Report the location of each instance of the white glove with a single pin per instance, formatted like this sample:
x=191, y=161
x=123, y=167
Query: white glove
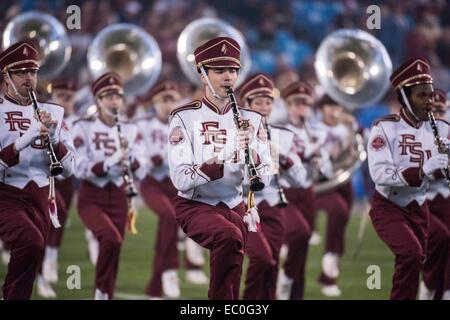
x=54, y=138
x=251, y=220
x=27, y=138
x=232, y=146
x=112, y=160
x=436, y=162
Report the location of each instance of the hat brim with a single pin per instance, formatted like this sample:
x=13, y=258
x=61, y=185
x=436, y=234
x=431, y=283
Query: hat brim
x=30, y=65
x=218, y=64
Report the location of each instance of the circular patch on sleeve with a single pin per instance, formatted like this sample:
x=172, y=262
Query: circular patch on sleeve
x=378, y=143
x=78, y=142
x=176, y=135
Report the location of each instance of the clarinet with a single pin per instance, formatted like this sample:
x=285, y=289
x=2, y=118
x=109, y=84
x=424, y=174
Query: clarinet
x=255, y=180
x=127, y=175
x=282, y=201
x=55, y=166
x=437, y=140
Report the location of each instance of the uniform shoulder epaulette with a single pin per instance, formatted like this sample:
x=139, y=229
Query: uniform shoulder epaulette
x=448, y=123
x=196, y=104
x=391, y=117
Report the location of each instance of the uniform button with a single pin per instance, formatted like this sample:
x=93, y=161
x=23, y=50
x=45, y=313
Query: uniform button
x=394, y=193
x=8, y=175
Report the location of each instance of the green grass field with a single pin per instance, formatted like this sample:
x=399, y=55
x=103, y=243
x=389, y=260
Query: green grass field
x=138, y=252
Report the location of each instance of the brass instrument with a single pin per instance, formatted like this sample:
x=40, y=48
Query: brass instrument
x=129, y=51
x=353, y=67
x=282, y=201
x=49, y=37
x=55, y=166
x=437, y=140
x=255, y=180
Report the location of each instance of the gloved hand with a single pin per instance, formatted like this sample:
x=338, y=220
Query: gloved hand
x=46, y=119
x=54, y=138
x=251, y=220
x=444, y=142
x=27, y=138
x=241, y=139
x=112, y=160
x=436, y=162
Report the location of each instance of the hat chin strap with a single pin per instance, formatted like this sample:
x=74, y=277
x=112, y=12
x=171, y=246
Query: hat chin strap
x=215, y=95
x=406, y=101
x=16, y=92
x=104, y=109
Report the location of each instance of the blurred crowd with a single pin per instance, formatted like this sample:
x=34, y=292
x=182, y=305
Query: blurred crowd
x=281, y=34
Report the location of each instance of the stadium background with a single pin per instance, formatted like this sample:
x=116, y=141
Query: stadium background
x=282, y=35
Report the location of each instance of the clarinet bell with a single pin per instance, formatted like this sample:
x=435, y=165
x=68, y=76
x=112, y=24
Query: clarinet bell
x=256, y=184
x=131, y=193
x=56, y=169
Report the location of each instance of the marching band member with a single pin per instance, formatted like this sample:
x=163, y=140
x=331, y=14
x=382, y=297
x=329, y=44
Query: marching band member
x=158, y=191
x=300, y=212
x=336, y=203
x=26, y=205
x=263, y=247
x=63, y=93
x=206, y=166
x=105, y=156
x=436, y=271
x=403, y=159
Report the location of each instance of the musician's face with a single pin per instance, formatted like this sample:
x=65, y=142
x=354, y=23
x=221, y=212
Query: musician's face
x=112, y=101
x=164, y=106
x=298, y=108
x=421, y=100
x=262, y=104
x=65, y=98
x=331, y=113
x=220, y=79
x=23, y=79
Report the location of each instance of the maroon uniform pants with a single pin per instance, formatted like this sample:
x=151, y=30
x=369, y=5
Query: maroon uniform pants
x=24, y=225
x=436, y=271
x=158, y=196
x=104, y=212
x=298, y=229
x=405, y=231
x=222, y=231
x=64, y=193
x=263, y=248
x=337, y=204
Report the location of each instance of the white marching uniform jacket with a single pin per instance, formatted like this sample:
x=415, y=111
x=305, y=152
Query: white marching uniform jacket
x=197, y=132
x=155, y=134
x=397, y=150
x=33, y=161
x=291, y=170
x=307, y=147
x=438, y=186
x=95, y=141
